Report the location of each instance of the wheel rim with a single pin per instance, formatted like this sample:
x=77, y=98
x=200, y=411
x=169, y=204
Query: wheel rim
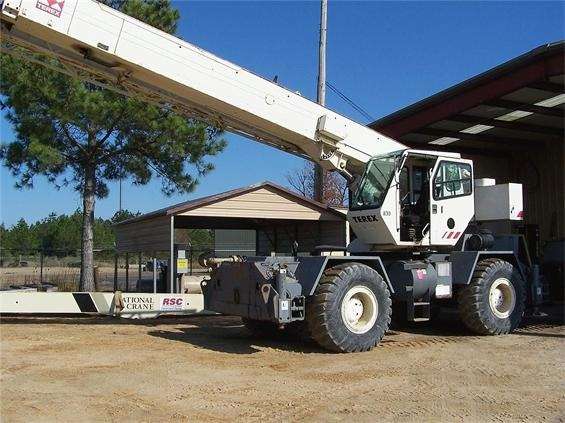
x=359, y=309
x=502, y=298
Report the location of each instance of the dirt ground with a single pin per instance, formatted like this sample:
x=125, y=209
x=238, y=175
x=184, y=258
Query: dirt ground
x=211, y=369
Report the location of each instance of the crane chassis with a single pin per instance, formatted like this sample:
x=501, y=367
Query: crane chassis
x=415, y=213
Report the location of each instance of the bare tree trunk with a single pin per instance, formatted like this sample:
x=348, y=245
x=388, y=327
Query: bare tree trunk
x=87, y=252
x=319, y=182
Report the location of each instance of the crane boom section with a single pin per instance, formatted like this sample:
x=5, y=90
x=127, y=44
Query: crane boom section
x=100, y=44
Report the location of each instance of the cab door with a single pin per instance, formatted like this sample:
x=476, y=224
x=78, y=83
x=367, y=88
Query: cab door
x=452, y=204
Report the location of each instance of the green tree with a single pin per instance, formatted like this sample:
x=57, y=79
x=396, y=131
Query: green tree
x=58, y=235
x=3, y=252
x=201, y=238
x=61, y=235
x=21, y=238
x=75, y=133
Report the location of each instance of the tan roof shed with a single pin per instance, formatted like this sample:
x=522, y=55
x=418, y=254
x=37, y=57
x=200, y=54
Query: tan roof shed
x=279, y=216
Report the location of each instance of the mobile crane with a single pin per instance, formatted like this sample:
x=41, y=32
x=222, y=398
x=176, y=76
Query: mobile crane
x=414, y=212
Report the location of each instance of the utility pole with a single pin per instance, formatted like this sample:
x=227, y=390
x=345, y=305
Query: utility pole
x=321, y=98
x=322, y=54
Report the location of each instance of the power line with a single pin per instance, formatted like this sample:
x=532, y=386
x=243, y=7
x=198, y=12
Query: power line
x=349, y=101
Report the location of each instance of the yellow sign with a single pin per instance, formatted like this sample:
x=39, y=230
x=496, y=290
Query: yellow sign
x=182, y=265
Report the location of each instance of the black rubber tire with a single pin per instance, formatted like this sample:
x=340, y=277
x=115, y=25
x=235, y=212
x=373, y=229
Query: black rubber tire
x=473, y=300
x=260, y=328
x=323, y=310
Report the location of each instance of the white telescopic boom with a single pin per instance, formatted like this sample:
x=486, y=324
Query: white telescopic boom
x=97, y=43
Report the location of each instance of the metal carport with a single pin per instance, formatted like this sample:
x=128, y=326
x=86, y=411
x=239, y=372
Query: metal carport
x=278, y=215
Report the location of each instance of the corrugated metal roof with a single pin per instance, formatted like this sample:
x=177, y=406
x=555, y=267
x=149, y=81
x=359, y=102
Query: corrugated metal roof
x=536, y=54
x=204, y=201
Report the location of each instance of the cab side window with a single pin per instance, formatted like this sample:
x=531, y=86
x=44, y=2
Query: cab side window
x=452, y=180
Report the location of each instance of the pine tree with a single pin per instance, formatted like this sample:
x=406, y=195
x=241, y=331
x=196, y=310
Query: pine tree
x=75, y=133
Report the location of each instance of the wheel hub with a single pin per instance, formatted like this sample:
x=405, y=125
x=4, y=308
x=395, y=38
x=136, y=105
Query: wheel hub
x=354, y=310
x=359, y=309
x=502, y=298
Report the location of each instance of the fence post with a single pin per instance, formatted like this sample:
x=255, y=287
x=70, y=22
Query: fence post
x=96, y=278
x=190, y=255
x=115, y=271
x=154, y=275
x=40, y=270
x=138, y=271
x=127, y=272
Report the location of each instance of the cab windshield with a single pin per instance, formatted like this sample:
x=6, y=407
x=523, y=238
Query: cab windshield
x=373, y=187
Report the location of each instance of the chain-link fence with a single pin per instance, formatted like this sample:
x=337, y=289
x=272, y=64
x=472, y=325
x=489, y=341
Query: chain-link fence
x=113, y=271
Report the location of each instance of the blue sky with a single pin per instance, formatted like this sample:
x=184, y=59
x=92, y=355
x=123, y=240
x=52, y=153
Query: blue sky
x=384, y=55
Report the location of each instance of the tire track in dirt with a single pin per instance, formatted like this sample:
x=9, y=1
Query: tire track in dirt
x=445, y=340
x=210, y=369
x=486, y=374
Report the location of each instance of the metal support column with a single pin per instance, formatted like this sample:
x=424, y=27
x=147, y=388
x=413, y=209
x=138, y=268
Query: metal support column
x=40, y=268
x=115, y=271
x=172, y=276
x=139, y=268
x=154, y=275
x=190, y=255
x=127, y=272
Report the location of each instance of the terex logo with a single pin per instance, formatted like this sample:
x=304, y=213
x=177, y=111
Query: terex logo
x=53, y=7
x=368, y=218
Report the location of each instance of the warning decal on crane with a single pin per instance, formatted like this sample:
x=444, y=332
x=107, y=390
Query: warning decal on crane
x=54, y=7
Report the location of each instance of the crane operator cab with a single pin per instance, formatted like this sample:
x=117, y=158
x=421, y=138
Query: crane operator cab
x=413, y=198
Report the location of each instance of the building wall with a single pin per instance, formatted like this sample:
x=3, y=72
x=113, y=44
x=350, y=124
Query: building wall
x=491, y=167
x=542, y=174
x=147, y=235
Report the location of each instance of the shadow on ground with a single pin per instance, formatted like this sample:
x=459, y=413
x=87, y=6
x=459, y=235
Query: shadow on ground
x=227, y=334
x=96, y=320
x=229, y=337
